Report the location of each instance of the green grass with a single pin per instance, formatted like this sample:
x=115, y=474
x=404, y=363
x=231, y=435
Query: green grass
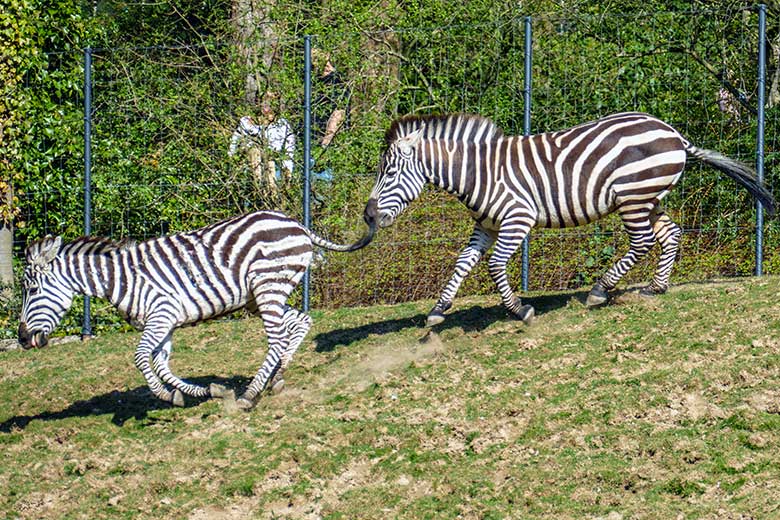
x=660, y=408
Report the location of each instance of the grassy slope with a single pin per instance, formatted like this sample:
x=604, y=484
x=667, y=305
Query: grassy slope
x=664, y=408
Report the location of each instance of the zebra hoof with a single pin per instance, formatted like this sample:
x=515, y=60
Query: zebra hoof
x=244, y=404
x=277, y=387
x=434, y=319
x=526, y=314
x=597, y=296
x=217, y=390
x=436, y=315
x=178, y=398
x=650, y=291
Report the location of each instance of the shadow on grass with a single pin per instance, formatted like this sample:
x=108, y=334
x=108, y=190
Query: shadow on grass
x=471, y=319
x=138, y=402
x=130, y=404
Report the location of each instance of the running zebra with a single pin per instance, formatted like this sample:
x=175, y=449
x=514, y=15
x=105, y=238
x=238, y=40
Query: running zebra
x=624, y=162
x=253, y=261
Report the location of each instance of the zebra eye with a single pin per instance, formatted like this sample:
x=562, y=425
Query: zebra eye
x=32, y=286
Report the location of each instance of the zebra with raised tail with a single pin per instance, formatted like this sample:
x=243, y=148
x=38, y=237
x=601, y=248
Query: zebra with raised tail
x=625, y=163
x=254, y=261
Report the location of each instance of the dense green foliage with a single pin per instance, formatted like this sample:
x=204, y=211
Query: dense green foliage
x=169, y=85
x=42, y=84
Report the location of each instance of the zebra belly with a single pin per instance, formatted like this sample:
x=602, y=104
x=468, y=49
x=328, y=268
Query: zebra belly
x=206, y=302
x=580, y=218
x=203, y=295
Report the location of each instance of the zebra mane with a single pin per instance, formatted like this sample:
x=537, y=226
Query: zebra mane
x=447, y=126
x=89, y=245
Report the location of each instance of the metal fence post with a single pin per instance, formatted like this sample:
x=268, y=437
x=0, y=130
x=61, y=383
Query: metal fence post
x=306, y=156
x=760, y=135
x=86, y=324
x=527, y=131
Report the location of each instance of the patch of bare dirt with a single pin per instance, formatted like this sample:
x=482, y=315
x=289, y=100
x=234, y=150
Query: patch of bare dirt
x=634, y=298
x=242, y=508
x=8, y=344
x=42, y=505
x=682, y=407
x=766, y=401
x=12, y=344
x=288, y=506
x=379, y=363
x=373, y=366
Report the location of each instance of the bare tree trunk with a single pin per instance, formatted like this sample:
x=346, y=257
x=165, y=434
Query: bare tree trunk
x=257, y=42
x=381, y=74
x=6, y=252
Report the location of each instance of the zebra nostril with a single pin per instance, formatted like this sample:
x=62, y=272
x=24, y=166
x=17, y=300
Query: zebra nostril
x=385, y=219
x=369, y=215
x=23, y=334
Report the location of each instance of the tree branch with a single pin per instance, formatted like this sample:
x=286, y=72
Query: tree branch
x=720, y=75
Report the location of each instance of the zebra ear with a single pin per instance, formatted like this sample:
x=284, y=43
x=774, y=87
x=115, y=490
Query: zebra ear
x=410, y=141
x=45, y=251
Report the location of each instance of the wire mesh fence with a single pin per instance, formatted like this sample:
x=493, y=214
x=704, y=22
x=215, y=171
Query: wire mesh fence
x=165, y=156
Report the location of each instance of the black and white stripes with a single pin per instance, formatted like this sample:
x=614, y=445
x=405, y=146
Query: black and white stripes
x=255, y=260
x=624, y=163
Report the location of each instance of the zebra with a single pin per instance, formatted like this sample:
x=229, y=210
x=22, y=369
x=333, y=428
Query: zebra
x=625, y=163
x=158, y=285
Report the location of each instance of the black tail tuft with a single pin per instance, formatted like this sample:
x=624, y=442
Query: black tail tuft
x=366, y=239
x=740, y=172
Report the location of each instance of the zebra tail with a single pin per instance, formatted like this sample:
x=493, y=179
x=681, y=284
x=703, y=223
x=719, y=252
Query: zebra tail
x=740, y=172
x=360, y=244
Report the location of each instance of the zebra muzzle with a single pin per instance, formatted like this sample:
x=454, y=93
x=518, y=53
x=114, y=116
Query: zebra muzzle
x=28, y=339
x=372, y=215
x=369, y=214
x=386, y=220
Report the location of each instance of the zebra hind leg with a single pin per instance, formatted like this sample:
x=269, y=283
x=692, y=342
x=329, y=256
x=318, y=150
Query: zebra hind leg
x=668, y=235
x=266, y=373
x=641, y=240
x=271, y=364
x=270, y=299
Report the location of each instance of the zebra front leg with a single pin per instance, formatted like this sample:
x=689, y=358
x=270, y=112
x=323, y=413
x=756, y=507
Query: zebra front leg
x=641, y=240
x=512, y=234
x=160, y=358
x=153, y=336
x=667, y=233
x=479, y=242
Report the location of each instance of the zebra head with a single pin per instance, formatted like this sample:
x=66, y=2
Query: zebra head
x=400, y=179
x=46, y=295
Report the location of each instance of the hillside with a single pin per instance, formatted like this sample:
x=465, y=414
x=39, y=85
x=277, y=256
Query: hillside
x=662, y=408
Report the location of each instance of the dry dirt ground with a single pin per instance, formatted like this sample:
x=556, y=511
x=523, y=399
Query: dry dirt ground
x=659, y=408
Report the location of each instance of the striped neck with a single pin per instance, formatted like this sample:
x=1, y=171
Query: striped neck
x=451, y=148
x=87, y=264
x=451, y=167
